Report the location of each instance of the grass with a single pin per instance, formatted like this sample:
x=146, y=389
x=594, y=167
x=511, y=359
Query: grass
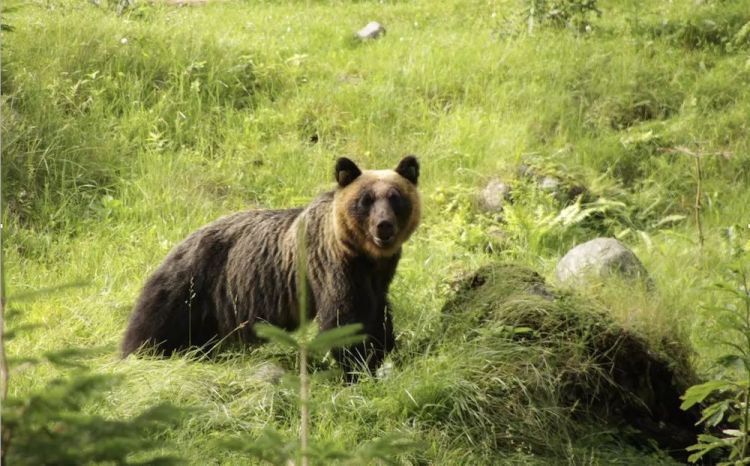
x=123, y=134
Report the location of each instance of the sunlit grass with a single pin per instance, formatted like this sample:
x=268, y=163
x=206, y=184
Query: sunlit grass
x=121, y=135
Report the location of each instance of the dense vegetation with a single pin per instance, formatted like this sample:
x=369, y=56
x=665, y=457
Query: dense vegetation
x=123, y=133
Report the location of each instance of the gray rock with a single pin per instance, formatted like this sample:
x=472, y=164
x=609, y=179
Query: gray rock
x=564, y=188
x=550, y=184
x=525, y=171
x=373, y=30
x=494, y=195
x=599, y=258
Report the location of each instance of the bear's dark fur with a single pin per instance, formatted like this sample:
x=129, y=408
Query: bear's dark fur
x=241, y=269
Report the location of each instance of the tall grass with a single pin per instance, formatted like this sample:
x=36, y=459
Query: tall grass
x=123, y=134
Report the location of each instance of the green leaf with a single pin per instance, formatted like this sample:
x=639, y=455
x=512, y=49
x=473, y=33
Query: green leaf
x=697, y=393
x=669, y=219
x=623, y=233
x=703, y=438
x=728, y=288
x=522, y=330
x=646, y=239
x=729, y=360
x=337, y=337
x=705, y=445
x=276, y=335
x=697, y=456
x=713, y=414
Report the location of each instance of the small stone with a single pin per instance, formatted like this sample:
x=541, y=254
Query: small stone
x=385, y=370
x=497, y=234
x=525, y=171
x=497, y=239
x=373, y=30
x=550, y=184
x=599, y=258
x=494, y=195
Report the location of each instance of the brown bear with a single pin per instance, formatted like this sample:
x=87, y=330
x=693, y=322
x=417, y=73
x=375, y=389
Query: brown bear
x=241, y=269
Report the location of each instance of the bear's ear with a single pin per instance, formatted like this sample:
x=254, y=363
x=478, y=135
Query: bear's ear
x=346, y=171
x=409, y=168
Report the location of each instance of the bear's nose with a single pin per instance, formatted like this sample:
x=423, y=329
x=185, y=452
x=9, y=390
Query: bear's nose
x=385, y=229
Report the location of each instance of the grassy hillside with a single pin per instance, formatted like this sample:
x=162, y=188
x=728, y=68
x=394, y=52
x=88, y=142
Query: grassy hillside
x=122, y=134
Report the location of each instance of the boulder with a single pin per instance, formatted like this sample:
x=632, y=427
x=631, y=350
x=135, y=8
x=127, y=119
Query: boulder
x=494, y=196
x=599, y=258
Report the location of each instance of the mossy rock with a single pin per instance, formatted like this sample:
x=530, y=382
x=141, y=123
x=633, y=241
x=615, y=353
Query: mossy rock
x=569, y=357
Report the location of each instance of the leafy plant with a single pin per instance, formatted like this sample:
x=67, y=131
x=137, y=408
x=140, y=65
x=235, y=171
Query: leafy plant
x=561, y=13
x=724, y=28
x=54, y=426
x=464, y=223
x=728, y=414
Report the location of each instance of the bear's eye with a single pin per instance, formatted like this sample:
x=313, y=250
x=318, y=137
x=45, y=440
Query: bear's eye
x=395, y=198
x=366, y=200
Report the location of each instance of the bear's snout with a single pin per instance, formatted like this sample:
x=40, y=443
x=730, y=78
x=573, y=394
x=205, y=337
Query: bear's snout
x=383, y=225
x=383, y=233
x=385, y=230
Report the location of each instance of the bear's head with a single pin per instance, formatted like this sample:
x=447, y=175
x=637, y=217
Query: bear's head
x=375, y=211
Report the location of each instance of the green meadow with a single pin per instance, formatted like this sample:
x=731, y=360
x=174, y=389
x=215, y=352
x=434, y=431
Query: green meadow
x=121, y=134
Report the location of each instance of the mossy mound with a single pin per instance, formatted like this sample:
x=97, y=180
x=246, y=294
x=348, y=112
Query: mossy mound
x=567, y=361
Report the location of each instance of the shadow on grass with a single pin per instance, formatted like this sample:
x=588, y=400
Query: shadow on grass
x=34, y=294
x=59, y=424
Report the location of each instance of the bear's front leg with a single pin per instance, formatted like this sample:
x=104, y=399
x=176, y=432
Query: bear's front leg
x=377, y=325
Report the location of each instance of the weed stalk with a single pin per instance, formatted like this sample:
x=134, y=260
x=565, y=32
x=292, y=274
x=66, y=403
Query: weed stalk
x=746, y=411
x=532, y=12
x=304, y=386
x=3, y=361
x=698, y=195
